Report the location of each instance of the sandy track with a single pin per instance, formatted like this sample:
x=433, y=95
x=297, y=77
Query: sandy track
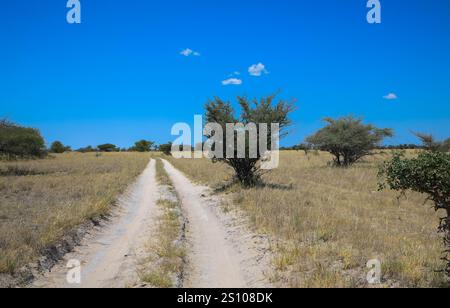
x=221, y=253
x=109, y=255
x=215, y=261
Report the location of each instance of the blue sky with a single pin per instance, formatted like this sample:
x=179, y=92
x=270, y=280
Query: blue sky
x=119, y=76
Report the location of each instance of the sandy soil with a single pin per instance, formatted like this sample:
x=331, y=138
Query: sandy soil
x=223, y=253
x=109, y=254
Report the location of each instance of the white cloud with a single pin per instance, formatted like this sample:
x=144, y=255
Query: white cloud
x=257, y=70
x=391, y=96
x=232, y=81
x=189, y=52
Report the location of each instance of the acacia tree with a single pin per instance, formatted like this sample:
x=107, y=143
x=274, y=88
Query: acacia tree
x=58, y=147
x=429, y=173
x=431, y=144
x=142, y=146
x=264, y=111
x=108, y=147
x=348, y=139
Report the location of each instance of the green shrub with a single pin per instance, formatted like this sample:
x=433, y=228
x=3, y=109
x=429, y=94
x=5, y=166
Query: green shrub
x=166, y=148
x=20, y=142
x=429, y=174
x=58, y=148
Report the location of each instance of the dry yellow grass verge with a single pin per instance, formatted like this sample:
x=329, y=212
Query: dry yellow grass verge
x=164, y=266
x=332, y=221
x=41, y=200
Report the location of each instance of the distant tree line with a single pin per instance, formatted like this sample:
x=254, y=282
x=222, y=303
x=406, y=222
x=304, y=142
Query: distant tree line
x=410, y=146
x=139, y=146
x=18, y=142
x=348, y=139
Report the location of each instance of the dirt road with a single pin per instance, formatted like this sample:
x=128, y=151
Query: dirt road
x=220, y=254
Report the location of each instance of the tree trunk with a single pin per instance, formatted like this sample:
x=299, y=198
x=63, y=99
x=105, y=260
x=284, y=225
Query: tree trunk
x=338, y=159
x=445, y=228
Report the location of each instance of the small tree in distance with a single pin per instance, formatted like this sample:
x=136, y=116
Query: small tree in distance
x=87, y=149
x=58, y=148
x=303, y=147
x=248, y=169
x=142, y=146
x=108, y=147
x=166, y=148
x=348, y=139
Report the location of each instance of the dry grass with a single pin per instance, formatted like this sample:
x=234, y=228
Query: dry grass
x=164, y=266
x=41, y=200
x=334, y=220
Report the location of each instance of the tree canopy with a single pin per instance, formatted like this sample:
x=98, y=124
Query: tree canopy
x=264, y=111
x=348, y=139
x=143, y=146
x=108, y=147
x=20, y=142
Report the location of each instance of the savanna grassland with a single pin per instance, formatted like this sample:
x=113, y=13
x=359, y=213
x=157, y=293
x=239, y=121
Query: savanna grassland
x=330, y=222
x=41, y=200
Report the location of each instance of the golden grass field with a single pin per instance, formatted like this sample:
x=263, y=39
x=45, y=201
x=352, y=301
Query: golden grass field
x=332, y=221
x=41, y=200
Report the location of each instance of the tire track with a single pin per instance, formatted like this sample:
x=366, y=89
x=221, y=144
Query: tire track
x=214, y=260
